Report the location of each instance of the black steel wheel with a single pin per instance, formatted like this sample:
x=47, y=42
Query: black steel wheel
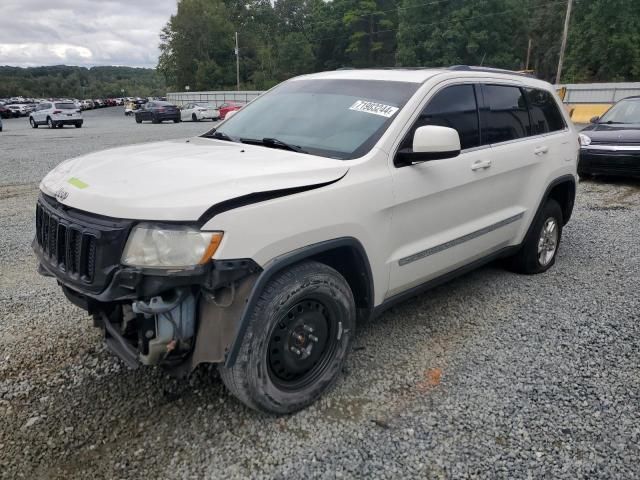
x=297, y=340
x=302, y=344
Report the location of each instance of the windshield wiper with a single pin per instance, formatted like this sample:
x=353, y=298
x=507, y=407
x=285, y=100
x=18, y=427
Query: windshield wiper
x=218, y=135
x=609, y=122
x=273, y=143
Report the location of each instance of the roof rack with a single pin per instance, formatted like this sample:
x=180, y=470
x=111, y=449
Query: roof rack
x=470, y=68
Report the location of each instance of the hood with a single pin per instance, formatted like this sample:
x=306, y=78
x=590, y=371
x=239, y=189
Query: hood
x=613, y=133
x=179, y=180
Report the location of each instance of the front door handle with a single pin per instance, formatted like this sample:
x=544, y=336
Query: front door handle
x=540, y=150
x=481, y=165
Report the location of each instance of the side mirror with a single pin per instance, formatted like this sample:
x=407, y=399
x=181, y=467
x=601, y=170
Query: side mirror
x=594, y=119
x=430, y=142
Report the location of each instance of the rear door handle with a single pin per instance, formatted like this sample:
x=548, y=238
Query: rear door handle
x=480, y=165
x=540, y=150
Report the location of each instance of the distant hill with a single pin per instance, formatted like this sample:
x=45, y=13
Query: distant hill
x=80, y=82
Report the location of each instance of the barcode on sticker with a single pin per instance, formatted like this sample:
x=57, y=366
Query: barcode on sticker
x=374, y=108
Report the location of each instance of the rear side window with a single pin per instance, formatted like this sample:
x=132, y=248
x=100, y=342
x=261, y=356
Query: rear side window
x=454, y=107
x=545, y=114
x=504, y=115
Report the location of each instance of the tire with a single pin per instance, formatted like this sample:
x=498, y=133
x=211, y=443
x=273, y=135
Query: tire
x=138, y=120
x=78, y=124
x=176, y=120
x=306, y=300
x=155, y=119
x=33, y=123
x=530, y=259
x=194, y=118
x=50, y=123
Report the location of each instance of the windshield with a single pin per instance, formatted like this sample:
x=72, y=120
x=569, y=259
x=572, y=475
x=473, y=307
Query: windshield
x=333, y=118
x=66, y=106
x=625, y=111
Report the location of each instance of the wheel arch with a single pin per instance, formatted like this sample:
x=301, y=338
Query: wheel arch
x=563, y=191
x=346, y=255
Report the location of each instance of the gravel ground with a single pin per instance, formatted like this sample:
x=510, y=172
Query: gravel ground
x=494, y=375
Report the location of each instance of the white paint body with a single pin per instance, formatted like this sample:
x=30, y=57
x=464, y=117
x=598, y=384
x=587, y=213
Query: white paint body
x=201, y=112
x=393, y=212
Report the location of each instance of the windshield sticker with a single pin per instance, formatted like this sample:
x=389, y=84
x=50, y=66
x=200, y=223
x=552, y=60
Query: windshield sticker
x=374, y=108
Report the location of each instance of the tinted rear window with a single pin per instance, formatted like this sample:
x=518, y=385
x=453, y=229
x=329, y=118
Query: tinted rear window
x=545, y=114
x=504, y=116
x=66, y=106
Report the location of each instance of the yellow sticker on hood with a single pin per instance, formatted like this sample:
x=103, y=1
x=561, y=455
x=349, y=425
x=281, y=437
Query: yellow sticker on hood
x=76, y=182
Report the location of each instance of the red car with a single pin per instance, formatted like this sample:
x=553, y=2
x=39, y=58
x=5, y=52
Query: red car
x=227, y=107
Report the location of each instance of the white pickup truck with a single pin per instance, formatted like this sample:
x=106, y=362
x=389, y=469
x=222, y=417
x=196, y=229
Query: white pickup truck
x=258, y=245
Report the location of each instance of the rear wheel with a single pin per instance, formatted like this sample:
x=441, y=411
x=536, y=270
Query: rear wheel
x=33, y=123
x=50, y=123
x=78, y=124
x=194, y=117
x=176, y=120
x=138, y=119
x=297, y=340
x=540, y=247
x=155, y=119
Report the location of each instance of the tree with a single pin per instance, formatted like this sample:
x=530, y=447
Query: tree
x=604, y=41
x=197, y=46
x=455, y=32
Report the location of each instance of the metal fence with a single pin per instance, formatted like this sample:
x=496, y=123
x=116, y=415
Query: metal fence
x=599, y=92
x=577, y=93
x=212, y=98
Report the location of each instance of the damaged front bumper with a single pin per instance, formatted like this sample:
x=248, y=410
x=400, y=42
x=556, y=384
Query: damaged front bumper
x=174, y=318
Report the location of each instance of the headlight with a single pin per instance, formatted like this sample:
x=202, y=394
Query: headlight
x=158, y=246
x=584, y=140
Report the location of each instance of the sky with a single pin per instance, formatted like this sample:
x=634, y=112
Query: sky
x=82, y=32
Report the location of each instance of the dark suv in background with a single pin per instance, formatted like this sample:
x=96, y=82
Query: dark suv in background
x=157, y=112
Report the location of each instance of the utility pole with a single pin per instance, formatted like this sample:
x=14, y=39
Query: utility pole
x=564, y=41
x=526, y=67
x=237, y=64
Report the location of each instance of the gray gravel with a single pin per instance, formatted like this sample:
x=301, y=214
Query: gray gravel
x=493, y=375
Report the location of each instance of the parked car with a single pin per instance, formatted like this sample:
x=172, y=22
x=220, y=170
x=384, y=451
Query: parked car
x=157, y=112
x=610, y=145
x=331, y=197
x=227, y=107
x=195, y=112
x=86, y=104
x=6, y=112
x=19, y=109
x=56, y=115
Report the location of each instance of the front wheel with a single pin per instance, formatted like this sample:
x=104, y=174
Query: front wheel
x=78, y=124
x=138, y=119
x=194, y=118
x=33, y=123
x=298, y=338
x=540, y=246
x=50, y=123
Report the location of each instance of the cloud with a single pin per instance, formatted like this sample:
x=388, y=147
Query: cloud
x=82, y=32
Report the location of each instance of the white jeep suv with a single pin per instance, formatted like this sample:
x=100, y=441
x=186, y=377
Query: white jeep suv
x=258, y=245
x=56, y=114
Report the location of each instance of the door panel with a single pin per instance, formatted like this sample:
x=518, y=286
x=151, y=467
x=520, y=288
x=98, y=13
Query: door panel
x=451, y=212
x=446, y=215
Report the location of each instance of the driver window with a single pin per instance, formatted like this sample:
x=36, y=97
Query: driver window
x=454, y=107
